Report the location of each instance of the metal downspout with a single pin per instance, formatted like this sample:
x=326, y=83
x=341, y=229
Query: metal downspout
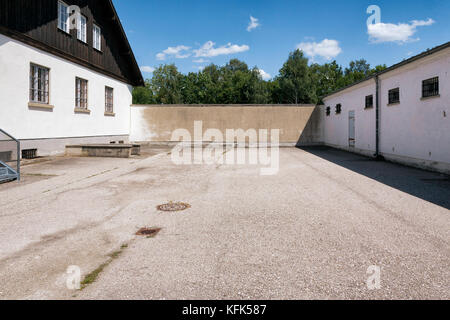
x=377, y=112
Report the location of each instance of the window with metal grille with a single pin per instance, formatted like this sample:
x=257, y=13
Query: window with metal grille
x=394, y=95
x=39, y=84
x=97, y=38
x=328, y=111
x=369, y=102
x=82, y=29
x=63, y=16
x=81, y=93
x=338, y=108
x=109, y=100
x=430, y=87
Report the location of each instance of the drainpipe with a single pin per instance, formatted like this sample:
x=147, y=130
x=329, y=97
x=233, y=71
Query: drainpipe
x=377, y=112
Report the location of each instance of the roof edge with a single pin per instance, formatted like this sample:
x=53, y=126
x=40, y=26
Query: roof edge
x=140, y=81
x=395, y=66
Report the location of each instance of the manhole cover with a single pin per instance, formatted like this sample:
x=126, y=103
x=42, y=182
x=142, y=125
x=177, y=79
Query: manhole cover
x=148, y=232
x=173, y=206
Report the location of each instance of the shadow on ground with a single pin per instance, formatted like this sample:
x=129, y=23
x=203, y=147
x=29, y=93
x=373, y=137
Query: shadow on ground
x=429, y=186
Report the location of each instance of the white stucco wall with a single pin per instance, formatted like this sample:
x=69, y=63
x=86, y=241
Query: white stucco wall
x=415, y=132
x=62, y=122
x=336, y=131
x=417, y=128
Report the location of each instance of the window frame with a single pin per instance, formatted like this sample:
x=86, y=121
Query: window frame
x=369, y=98
x=97, y=43
x=328, y=111
x=63, y=26
x=109, y=100
x=33, y=91
x=435, y=83
x=81, y=98
x=339, y=108
x=391, y=93
x=80, y=35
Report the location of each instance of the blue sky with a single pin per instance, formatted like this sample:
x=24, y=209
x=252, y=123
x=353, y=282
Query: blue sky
x=194, y=33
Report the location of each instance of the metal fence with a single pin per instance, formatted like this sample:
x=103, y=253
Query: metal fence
x=9, y=157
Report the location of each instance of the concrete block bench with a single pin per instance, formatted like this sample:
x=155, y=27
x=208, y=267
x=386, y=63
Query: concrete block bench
x=103, y=150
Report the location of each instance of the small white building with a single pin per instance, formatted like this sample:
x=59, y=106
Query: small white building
x=412, y=101
x=64, y=82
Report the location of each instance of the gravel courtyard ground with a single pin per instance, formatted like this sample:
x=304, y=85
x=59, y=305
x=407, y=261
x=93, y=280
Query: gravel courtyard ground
x=309, y=232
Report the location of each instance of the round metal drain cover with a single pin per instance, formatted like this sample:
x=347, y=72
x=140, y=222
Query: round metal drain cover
x=173, y=206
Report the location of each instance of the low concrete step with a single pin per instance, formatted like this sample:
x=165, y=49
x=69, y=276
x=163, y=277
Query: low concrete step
x=103, y=150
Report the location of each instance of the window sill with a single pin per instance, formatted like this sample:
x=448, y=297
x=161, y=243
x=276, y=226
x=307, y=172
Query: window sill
x=64, y=32
x=80, y=110
x=393, y=104
x=99, y=51
x=83, y=42
x=368, y=108
x=35, y=105
x=432, y=97
x=110, y=114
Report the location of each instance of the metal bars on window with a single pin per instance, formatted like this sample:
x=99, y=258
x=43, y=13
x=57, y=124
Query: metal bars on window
x=109, y=100
x=39, y=84
x=81, y=93
x=394, y=95
x=430, y=87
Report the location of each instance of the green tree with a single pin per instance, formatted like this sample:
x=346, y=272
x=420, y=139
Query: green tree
x=295, y=80
x=143, y=95
x=167, y=84
x=327, y=78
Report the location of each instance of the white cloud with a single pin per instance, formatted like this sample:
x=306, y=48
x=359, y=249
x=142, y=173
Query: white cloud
x=400, y=33
x=327, y=49
x=147, y=69
x=201, y=60
x=264, y=74
x=208, y=49
x=178, y=52
x=253, y=24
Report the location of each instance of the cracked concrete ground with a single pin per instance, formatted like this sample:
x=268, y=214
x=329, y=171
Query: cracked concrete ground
x=309, y=232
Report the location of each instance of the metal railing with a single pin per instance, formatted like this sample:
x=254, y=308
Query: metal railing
x=9, y=157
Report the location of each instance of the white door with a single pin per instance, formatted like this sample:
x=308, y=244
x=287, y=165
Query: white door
x=351, y=129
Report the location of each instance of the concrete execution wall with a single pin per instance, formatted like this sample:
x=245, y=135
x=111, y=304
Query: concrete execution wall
x=298, y=124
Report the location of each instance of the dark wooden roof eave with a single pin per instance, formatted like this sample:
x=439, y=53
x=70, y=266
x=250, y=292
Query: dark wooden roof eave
x=139, y=80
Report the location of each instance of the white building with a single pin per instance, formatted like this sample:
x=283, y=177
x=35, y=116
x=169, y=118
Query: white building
x=412, y=100
x=62, y=84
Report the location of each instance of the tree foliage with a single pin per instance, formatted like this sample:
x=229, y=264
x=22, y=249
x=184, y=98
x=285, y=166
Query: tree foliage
x=235, y=83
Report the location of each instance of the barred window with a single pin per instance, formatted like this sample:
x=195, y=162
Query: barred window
x=430, y=87
x=81, y=93
x=109, y=100
x=328, y=111
x=369, y=102
x=338, y=108
x=39, y=84
x=394, y=95
x=63, y=16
